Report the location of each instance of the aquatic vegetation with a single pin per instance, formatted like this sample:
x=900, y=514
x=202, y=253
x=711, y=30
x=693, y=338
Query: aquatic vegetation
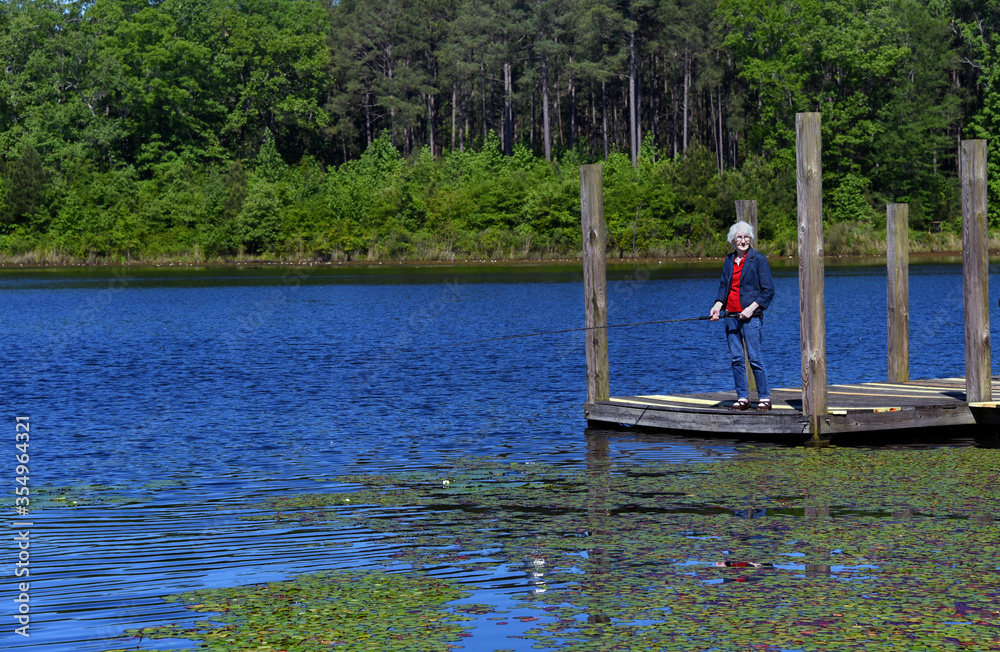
x=347, y=610
x=77, y=496
x=773, y=549
x=82, y=495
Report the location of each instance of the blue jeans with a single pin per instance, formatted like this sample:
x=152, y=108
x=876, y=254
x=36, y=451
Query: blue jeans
x=738, y=332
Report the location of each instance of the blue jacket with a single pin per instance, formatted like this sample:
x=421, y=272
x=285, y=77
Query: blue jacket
x=756, y=283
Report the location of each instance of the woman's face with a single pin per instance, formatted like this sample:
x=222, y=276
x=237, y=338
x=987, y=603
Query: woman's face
x=742, y=243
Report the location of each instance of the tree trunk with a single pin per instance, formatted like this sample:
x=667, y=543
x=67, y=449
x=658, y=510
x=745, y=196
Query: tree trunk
x=559, y=122
x=593, y=120
x=482, y=70
x=687, y=88
x=706, y=126
x=722, y=132
x=392, y=129
x=675, y=124
x=432, y=106
x=654, y=101
x=614, y=121
x=572, y=105
x=508, y=111
x=534, y=117
x=368, y=119
x=604, y=115
x=546, y=128
x=454, y=114
x=632, y=93
x=638, y=100
x=715, y=134
x=463, y=134
x=392, y=107
x=430, y=123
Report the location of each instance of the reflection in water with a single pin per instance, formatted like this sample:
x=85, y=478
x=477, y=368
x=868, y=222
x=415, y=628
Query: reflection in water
x=750, y=513
x=536, y=575
x=817, y=569
x=817, y=512
x=599, y=562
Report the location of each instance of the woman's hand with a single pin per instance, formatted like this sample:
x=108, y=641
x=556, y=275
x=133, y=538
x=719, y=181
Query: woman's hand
x=713, y=314
x=748, y=312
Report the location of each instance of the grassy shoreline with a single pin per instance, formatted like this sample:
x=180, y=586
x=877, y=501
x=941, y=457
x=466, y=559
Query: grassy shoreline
x=855, y=239
x=175, y=262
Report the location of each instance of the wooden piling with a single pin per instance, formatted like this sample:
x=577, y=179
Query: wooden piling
x=746, y=211
x=975, y=271
x=897, y=303
x=595, y=281
x=812, y=311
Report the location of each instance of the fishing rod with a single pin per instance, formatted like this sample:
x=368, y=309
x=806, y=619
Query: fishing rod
x=724, y=313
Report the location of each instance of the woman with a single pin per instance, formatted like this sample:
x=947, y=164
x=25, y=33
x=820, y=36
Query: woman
x=745, y=291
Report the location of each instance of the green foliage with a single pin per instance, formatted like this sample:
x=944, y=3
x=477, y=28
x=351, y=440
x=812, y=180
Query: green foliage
x=978, y=25
x=24, y=187
x=97, y=214
x=470, y=204
x=340, y=112
x=775, y=193
x=258, y=226
x=848, y=200
x=878, y=72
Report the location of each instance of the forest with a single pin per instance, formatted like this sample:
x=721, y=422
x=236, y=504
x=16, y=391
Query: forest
x=145, y=130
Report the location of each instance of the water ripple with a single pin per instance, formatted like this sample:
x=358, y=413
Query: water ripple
x=236, y=386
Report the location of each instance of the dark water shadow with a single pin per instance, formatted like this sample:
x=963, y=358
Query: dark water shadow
x=975, y=436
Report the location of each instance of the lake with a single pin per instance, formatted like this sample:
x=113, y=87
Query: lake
x=168, y=404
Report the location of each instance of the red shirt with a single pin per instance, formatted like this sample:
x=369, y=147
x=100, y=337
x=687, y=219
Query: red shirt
x=733, y=301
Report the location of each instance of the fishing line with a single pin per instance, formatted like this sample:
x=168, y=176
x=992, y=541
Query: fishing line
x=564, y=330
x=641, y=415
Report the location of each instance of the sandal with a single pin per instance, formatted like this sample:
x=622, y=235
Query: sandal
x=764, y=406
x=741, y=404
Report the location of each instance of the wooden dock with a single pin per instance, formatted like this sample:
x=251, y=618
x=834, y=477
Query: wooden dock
x=853, y=408
x=817, y=408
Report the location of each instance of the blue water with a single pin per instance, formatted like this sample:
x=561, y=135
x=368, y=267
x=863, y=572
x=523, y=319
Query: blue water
x=223, y=386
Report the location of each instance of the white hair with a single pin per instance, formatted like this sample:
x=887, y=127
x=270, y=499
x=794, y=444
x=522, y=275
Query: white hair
x=740, y=228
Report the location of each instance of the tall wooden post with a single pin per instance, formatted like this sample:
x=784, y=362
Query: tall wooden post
x=897, y=299
x=746, y=211
x=975, y=271
x=812, y=309
x=595, y=281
